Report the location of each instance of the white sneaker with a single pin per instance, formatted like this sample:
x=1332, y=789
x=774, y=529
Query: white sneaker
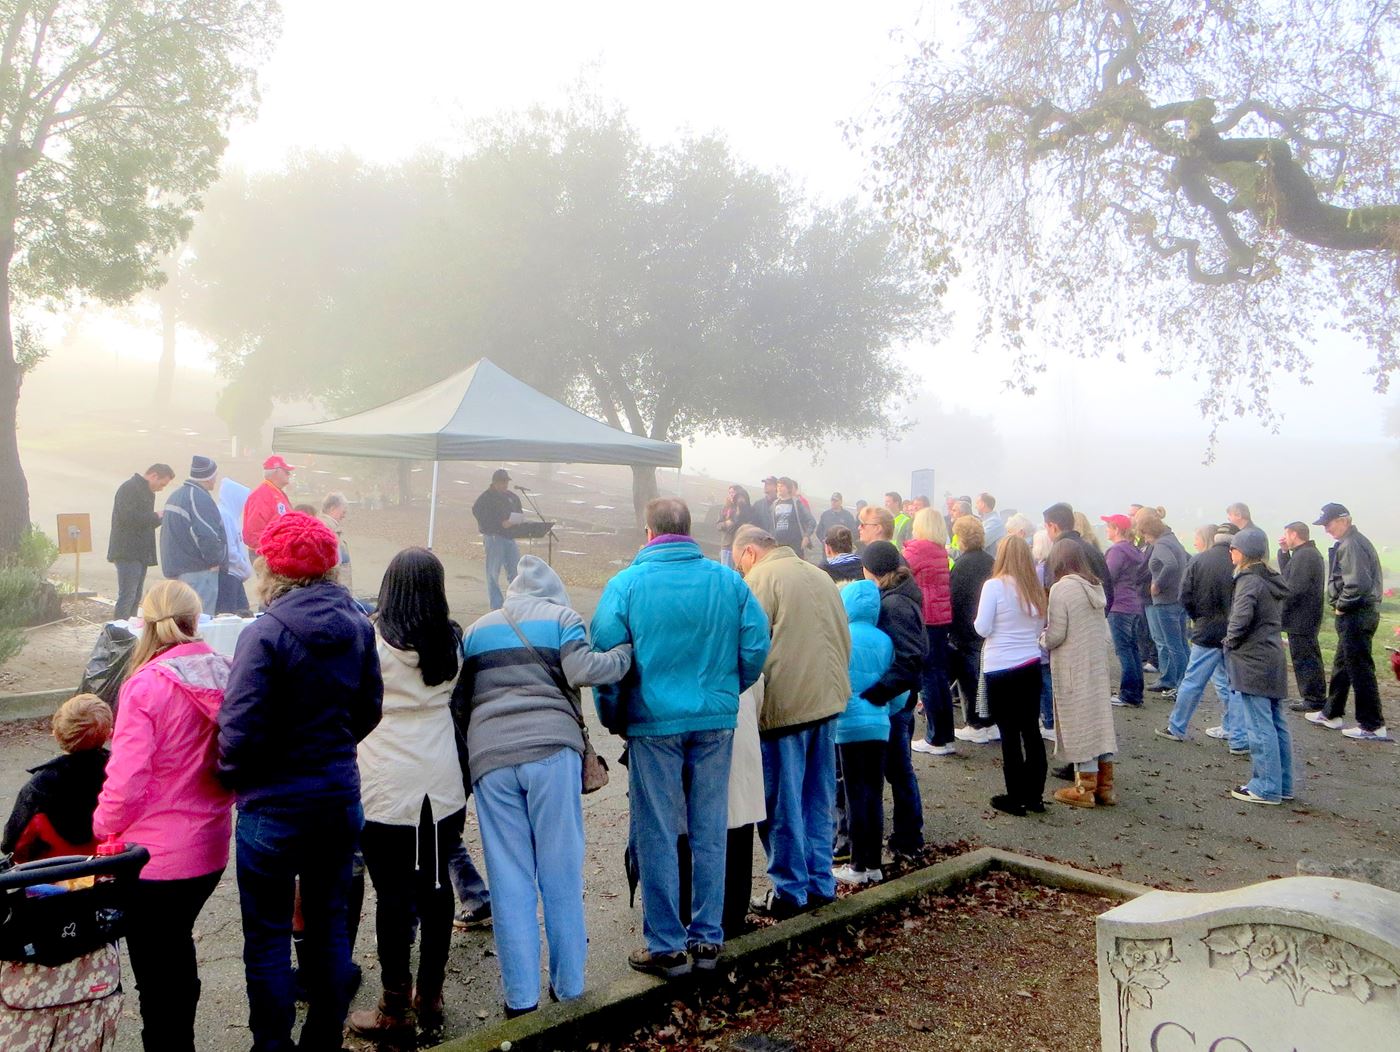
x=1217, y=732
x=929, y=749
x=965, y=733
x=1361, y=734
x=985, y=736
x=847, y=875
x=1048, y=733
x=1147, y=666
x=1322, y=721
x=993, y=734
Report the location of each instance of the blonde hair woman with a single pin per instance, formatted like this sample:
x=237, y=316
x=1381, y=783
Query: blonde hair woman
x=1010, y=616
x=1085, y=529
x=161, y=792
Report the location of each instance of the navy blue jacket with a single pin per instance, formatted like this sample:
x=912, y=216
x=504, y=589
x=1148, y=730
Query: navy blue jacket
x=192, y=532
x=304, y=690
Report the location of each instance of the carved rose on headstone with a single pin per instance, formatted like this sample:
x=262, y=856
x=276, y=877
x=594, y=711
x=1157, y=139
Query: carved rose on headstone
x=1304, y=961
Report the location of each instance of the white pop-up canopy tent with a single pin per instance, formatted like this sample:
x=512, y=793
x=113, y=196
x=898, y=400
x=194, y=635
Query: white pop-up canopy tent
x=481, y=413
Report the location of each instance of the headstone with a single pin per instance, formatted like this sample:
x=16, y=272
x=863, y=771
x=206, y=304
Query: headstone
x=1307, y=964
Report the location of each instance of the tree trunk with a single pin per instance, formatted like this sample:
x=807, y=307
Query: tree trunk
x=14, y=490
x=643, y=490
x=165, y=371
x=405, y=483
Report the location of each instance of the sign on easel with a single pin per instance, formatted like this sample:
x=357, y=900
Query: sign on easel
x=75, y=539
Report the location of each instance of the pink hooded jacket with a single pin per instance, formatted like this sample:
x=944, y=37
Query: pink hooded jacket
x=161, y=791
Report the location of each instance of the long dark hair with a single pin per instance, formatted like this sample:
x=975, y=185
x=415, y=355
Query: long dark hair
x=1067, y=557
x=413, y=614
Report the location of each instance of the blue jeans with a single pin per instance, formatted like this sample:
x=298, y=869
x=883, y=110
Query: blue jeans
x=1167, y=622
x=470, y=889
x=907, y=821
x=1270, y=746
x=799, y=786
x=274, y=847
x=206, y=585
x=131, y=578
x=502, y=553
x=1124, y=630
x=532, y=833
x=1047, y=697
x=680, y=783
x=1207, y=665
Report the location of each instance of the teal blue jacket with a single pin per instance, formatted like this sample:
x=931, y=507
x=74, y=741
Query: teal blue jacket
x=699, y=638
x=872, y=653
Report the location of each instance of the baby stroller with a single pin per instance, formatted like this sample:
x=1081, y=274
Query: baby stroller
x=60, y=969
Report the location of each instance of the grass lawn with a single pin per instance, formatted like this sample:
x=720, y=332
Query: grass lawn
x=1387, y=635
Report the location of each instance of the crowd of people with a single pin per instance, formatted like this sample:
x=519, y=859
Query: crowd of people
x=776, y=690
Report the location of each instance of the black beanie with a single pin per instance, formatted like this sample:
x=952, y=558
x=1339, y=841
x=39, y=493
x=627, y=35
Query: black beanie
x=880, y=558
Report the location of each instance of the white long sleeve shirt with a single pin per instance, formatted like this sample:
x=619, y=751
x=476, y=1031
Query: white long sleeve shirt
x=1012, y=634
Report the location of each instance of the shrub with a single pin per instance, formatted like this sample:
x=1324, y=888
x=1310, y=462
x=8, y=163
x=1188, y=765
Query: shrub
x=36, y=551
x=18, y=588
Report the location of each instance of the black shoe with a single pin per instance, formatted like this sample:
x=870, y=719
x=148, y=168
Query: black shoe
x=1002, y=802
x=1158, y=688
x=468, y=920
x=1304, y=706
x=664, y=965
x=816, y=902
x=705, y=955
x=1035, y=806
x=771, y=904
x=511, y=1013
x=1065, y=773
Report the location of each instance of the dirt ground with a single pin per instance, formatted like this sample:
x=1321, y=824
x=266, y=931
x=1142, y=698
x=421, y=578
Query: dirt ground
x=1002, y=964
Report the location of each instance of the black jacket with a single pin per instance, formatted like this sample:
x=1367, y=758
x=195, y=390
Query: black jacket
x=1097, y=563
x=134, y=522
x=1206, y=588
x=1254, y=641
x=492, y=508
x=304, y=691
x=902, y=619
x=64, y=790
x=1305, y=572
x=969, y=574
x=1353, y=573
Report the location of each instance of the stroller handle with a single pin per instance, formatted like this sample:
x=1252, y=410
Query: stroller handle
x=66, y=867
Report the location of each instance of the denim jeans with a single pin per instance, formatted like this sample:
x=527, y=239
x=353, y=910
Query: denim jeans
x=274, y=847
x=502, y=553
x=1354, y=668
x=799, y=787
x=1270, y=746
x=933, y=687
x=467, y=883
x=1207, y=665
x=1047, y=696
x=1124, y=630
x=680, y=782
x=131, y=579
x=907, y=821
x=206, y=585
x=1167, y=622
x=531, y=818
x=1092, y=766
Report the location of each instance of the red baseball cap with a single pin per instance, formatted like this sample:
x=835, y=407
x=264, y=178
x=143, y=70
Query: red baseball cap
x=1121, y=522
x=275, y=461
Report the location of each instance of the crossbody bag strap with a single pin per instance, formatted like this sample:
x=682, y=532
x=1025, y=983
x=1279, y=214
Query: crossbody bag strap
x=559, y=681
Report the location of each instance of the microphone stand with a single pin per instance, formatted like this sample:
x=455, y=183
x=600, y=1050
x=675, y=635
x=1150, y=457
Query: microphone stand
x=536, y=509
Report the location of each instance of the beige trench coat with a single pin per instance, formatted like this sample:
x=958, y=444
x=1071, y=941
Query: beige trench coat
x=1076, y=634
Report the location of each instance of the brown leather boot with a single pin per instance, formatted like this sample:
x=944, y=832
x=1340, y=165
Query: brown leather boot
x=391, y=1020
x=1081, y=793
x=427, y=1005
x=1103, y=792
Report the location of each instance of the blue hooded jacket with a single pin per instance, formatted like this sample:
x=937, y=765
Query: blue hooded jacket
x=699, y=637
x=304, y=690
x=872, y=653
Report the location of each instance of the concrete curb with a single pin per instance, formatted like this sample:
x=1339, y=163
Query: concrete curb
x=627, y=1002
x=32, y=705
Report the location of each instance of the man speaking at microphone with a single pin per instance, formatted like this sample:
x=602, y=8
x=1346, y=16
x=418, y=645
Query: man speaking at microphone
x=493, y=511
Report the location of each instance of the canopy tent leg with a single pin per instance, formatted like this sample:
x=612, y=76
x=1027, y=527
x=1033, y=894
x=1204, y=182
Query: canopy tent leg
x=432, y=507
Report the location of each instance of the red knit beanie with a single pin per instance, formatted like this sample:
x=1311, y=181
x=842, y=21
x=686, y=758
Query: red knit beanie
x=299, y=546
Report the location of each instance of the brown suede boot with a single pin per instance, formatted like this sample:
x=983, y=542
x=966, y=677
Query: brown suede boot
x=1103, y=792
x=427, y=1005
x=1081, y=793
x=391, y=1020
